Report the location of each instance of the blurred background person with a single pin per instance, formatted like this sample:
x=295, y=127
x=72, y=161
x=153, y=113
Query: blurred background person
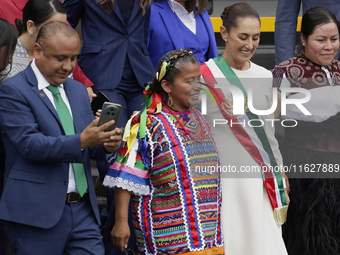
x=180, y=24
x=10, y=10
x=36, y=13
x=254, y=204
x=313, y=220
x=287, y=12
x=115, y=57
x=8, y=41
x=176, y=207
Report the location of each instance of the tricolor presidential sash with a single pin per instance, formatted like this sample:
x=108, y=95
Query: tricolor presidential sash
x=252, y=138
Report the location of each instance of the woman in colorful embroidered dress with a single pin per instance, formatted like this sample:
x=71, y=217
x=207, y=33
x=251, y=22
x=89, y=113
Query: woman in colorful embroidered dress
x=169, y=163
x=253, y=208
x=313, y=146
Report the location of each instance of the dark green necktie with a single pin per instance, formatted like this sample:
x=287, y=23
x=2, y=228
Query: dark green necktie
x=68, y=125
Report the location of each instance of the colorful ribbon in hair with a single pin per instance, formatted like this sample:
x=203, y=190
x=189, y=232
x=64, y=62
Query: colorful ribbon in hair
x=153, y=105
x=171, y=62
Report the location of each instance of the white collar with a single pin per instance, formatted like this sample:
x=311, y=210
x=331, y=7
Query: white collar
x=177, y=7
x=42, y=82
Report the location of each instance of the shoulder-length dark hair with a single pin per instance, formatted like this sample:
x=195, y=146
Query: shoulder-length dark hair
x=39, y=11
x=108, y=5
x=8, y=41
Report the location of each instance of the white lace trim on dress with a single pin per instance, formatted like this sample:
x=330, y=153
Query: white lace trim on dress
x=136, y=188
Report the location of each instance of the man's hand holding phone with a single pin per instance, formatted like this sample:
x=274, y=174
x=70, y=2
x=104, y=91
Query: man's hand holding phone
x=103, y=131
x=94, y=135
x=110, y=111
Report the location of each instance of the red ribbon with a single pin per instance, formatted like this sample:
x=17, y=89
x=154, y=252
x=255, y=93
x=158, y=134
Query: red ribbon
x=156, y=98
x=186, y=184
x=147, y=225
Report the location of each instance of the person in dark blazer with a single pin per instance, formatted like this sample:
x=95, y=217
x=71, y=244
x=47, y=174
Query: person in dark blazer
x=8, y=41
x=173, y=26
x=114, y=54
x=116, y=59
x=45, y=208
x=287, y=12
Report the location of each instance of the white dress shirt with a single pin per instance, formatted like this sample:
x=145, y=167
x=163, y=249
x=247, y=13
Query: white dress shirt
x=42, y=85
x=187, y=18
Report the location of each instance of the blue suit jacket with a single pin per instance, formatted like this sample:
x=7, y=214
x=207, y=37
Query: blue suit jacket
x=107, y=41
x=38, y=151
x=165, y=35
x=287, y=13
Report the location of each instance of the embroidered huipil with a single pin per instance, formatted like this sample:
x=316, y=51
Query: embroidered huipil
x=175, y=184
x=323, y=82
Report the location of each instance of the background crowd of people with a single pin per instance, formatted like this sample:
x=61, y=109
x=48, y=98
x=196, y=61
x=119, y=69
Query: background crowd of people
x=166, y=52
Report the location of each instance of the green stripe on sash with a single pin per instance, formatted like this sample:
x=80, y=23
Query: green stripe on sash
x=234, y=80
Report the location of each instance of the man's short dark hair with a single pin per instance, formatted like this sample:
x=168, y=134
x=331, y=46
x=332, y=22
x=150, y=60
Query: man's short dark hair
x=50, y=29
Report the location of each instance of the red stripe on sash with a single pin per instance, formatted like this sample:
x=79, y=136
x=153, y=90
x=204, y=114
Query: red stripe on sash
x=241, y=134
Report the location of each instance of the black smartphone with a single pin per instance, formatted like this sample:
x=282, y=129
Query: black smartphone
x=97, y=102
x=110, y=111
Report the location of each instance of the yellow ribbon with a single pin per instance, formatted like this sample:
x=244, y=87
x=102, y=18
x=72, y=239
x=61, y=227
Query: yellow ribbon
x=159, y=107
x=132, y=138
x=130, y=133
x=163, y=71
x=127, y=127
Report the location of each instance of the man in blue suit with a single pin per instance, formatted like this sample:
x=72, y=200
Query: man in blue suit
x=116, y=59
x=49, y=204
x=287, y=12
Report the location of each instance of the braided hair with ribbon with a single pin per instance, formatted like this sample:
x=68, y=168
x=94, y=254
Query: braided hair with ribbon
x=168, y=68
